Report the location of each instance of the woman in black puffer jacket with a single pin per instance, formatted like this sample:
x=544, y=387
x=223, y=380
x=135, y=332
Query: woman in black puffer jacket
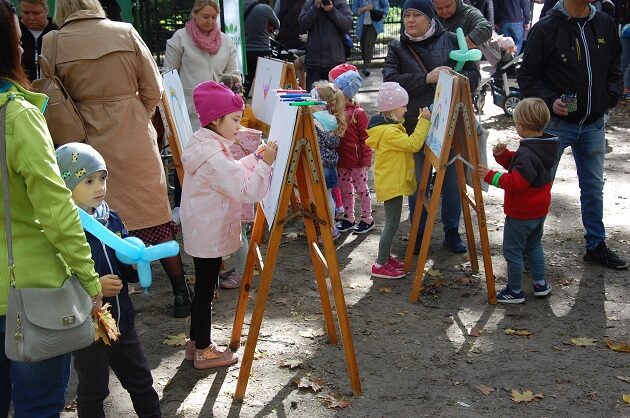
x=426, y=37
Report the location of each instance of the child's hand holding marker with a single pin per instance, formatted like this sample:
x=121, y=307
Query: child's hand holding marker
x=267, y=152
x=425, y=114
x=498, y=149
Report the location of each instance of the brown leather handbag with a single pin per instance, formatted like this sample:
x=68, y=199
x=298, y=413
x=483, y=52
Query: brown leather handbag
x=64, y=120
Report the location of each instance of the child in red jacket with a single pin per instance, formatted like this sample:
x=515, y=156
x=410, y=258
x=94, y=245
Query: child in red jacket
x=527, y=186
x=355, y=158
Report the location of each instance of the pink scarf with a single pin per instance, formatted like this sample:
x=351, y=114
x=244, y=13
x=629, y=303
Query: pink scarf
x=209, y=42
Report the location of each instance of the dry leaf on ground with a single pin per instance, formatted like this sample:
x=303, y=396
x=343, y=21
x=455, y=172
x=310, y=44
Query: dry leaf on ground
x=623, y=378
x=176, y=340
x=291, y=363
x=384, y=289
x=466, y=281
x=312, y=333
x=626, y=398
x=434, y=273
x=526, y=396
x=315, y=384
x=518, y=332
x=486, y=390
x=474, y=332
x=623, y=348
x=584, y=341
x=334, y=400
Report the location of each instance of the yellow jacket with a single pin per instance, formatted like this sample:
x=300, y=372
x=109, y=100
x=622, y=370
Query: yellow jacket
x=393, y=167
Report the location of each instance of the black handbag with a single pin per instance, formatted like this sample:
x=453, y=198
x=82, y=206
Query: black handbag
x=376, y=15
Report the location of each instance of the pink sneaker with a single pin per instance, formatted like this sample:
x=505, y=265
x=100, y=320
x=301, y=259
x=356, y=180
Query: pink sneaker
x=213, y=356
x=395, y=263
x=386, y=272
x=190, y=350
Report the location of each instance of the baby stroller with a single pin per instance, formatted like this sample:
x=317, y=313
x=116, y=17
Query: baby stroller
x=281, y=52
x=505, y=92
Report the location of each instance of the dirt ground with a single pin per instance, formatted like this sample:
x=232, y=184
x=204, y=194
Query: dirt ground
x=448, y=355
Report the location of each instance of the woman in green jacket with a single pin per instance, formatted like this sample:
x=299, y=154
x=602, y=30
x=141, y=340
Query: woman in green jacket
x=48, y=240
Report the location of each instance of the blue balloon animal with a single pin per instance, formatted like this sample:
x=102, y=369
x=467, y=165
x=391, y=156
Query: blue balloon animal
x=130, y=250
x=463, y=54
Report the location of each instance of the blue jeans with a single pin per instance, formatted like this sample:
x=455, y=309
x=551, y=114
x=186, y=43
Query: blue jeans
x=625, y=60
x=38, y=390
x=522, y=238
x=451, y=202
x=588, y=145
x=514, y=30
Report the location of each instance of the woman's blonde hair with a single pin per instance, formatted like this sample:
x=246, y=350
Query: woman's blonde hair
x=532, y=113
x=200, y=4
x=64, y=8
x=335, y=102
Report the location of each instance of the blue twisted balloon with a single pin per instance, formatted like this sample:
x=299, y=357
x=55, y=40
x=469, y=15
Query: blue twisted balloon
x=130, y=250
x=463, y=54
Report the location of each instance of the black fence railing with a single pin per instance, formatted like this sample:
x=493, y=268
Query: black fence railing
x=159, y=19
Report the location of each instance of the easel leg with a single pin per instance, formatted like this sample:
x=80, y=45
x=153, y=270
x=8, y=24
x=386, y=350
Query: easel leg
x=463, y=196
x=257, y=237
x=425, y=177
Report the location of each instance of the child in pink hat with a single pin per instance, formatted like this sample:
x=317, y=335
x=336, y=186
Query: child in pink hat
x=393, y=167
x=215, y=187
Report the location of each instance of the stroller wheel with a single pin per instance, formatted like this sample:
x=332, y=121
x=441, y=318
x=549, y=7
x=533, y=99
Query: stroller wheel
x=510, y=103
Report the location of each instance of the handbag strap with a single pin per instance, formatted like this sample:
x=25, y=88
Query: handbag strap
x=5, y=192
x=417, y=57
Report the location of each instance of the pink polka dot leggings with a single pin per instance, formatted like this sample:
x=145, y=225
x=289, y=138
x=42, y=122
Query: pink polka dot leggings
x=351, y=181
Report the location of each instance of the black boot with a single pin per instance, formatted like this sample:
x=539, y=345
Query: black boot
x=183, y=298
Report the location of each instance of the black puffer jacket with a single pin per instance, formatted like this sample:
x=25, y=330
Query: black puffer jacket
x=568, y=55
x=402, y=67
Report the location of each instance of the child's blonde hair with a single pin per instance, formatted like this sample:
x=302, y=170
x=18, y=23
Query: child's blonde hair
x=335, y=102
x=532, y=113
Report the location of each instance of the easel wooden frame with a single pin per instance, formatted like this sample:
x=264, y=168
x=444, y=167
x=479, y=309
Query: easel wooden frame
x=174, y=142
x=304, y=171
x=461, y=138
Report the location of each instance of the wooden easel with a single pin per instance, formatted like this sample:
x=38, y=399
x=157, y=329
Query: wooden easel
x=461, y=138
x=304, y=170
x=173, y=141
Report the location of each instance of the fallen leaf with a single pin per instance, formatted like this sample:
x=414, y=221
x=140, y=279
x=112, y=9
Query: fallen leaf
x=291, y=363
x=434, y=273
x=384, y=289
x=518, y=332
x=526, y=396
x=466, y=281
x=312, y=333
x=258, y=354
x=486, y=390
x=623, y=348
x=308, y=383
x=176, y=340
x=584, y=341
x=623, y=378
x=474, y=332
x=105, y=326
x=335, y=400
x=626, y=398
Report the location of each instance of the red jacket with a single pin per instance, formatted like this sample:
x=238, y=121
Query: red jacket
x=353, y=153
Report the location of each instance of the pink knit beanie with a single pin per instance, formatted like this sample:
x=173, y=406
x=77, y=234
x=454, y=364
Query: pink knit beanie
x=391, y=96
x=214, y=100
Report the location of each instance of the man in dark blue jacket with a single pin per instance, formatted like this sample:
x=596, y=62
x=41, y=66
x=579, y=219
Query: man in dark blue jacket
x=512, y=18
x=571, y=61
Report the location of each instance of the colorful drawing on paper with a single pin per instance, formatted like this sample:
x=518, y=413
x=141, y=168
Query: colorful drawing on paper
x=268, y=77
x=441, y=113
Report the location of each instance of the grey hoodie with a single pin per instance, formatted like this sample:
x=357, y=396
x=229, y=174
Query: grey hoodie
x=472, y=22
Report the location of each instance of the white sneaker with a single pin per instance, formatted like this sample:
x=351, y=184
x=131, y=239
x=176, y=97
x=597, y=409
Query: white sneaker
x=175, y=215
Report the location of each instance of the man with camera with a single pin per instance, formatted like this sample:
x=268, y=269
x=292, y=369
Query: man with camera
x=326, y=22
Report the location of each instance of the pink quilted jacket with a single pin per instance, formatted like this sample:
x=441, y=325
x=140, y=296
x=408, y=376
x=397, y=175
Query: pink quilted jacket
x=246, y=142
x=215, y=187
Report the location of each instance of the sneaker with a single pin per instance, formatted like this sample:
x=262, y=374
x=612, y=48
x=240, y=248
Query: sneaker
x=232, y=281
x=190, y=350
x=366, y=72
x=345, y=225
x=395, y=263
x=604, y=256
x=175, y=215
x=507, y=296
x=386, y=271
x=363, y=228
x=542, y=289
x=213, y=356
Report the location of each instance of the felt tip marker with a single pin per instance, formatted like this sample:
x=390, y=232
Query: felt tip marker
x=286, y=95
x=307, y=103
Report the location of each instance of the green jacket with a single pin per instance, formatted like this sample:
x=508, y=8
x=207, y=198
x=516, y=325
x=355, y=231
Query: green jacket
x=393, y=166
x=48, y=239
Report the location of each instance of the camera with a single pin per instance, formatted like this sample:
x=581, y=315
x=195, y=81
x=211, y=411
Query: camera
x=326, y=2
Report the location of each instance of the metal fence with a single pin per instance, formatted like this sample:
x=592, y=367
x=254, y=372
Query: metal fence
x=157, y=20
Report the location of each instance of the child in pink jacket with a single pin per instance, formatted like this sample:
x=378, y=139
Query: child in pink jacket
x=215, y=187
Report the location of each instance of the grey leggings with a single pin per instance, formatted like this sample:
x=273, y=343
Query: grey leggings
x=393, y=208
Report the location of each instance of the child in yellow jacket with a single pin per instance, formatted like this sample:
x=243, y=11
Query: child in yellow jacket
x=393, y=167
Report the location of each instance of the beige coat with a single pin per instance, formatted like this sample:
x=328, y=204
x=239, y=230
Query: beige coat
x=112, y=77
x=195, y=65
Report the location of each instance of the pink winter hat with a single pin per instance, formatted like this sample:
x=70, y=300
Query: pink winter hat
x=214, y=100
x=391, y=96
x=340, y=69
